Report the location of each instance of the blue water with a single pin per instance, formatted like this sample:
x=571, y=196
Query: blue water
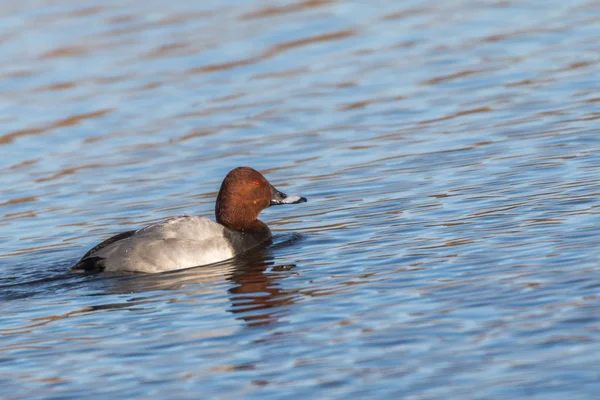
x=449, y=152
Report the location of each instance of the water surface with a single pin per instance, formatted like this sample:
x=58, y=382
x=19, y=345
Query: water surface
x=449, y=152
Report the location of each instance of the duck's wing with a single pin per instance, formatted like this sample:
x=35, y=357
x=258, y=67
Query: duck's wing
x=90, y=263
x=120, y=248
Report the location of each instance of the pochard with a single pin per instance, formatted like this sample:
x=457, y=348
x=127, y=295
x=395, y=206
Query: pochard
x=189, y=241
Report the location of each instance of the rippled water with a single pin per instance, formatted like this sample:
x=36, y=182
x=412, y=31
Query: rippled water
x=449, y=151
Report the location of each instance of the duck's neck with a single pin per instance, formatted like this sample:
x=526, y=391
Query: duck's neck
x=255, y=227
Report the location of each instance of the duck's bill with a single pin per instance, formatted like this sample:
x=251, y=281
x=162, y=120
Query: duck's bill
x=278, y=198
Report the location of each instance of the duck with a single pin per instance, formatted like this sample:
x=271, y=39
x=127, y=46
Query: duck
x=187, y=241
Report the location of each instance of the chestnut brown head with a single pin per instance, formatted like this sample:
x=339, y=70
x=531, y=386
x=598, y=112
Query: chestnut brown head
x=244, y=193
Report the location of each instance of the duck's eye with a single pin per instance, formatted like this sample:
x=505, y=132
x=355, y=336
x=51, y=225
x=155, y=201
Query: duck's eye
x=257, y=183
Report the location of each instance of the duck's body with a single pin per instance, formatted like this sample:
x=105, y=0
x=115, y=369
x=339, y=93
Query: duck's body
x=175, y=243
x=188, y=241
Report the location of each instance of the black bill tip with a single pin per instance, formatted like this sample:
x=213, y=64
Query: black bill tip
x=278, y=198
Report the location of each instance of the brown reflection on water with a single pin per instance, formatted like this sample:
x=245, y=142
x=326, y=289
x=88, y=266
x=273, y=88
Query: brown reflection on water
x=68, y=171
x=365, y=103
x=276, y=50
x=257, y=297
x=61, y=123
x=167, y=20
x=86, y=11
x=459, y=114
x=70, y=51
x=25, y=164
x=290, y=8
x=405, y=13
x=20, y=200
x=39, y=322
x=326, y=37
x=57, y=86
x=450, y=77
x=168, y=50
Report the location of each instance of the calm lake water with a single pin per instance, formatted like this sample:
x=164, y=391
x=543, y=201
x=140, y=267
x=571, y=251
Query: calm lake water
x=450, y=152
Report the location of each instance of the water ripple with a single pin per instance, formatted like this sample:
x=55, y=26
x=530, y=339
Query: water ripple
x=449, y=152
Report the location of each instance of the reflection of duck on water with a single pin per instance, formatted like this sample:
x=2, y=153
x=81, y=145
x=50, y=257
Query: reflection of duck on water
x=256, y=295
x=189, y=241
